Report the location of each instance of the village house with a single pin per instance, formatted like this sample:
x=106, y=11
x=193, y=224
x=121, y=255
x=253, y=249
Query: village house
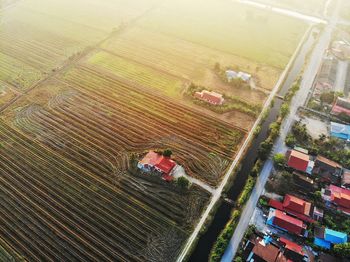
x=298, y=208
x=299, y=161
x=231, y=75
x=337, y=197
x=340, y=131
x=281, y=220
x=341, y=105
x=325, y=237
x=270, y=250
x=155, y=162
x=210, y=97
x=327, y=170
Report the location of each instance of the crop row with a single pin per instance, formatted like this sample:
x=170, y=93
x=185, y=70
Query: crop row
x=53, y=210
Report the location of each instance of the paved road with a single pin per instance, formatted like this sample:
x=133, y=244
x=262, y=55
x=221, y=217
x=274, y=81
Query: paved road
x=299, y=100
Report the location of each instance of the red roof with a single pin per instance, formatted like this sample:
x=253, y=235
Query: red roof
x=340, y=196
x=288, y=223
x=292, y=246
x=268, y=252
x=211, y=97
x=295, y=204
x=298, y=160
x=164, y=164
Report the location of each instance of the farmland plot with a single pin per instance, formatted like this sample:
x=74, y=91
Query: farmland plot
x=98, y=117
x=132, y=71
x=188, y=60
x=6, y=93
x=258, y=35
x=52, y=209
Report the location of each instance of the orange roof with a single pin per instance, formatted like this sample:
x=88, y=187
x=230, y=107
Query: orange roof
x=292, y=246
x=328, y=162
x=165, y=164
x=300, y=155
x=268, y=253
x=296, y=204
x=152, y=158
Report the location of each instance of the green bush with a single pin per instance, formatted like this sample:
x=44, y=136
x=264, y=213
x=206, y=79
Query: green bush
x=224, y=238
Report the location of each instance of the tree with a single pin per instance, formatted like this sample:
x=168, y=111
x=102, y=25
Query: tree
x=279, y=160
x=291, y=140
x=284, y=110
x=327, y=98
x=167, y=153
x=265, y=149
x=342, y=250
x=183, y=182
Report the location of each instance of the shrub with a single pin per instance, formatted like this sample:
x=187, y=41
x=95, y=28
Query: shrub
x=183, y=182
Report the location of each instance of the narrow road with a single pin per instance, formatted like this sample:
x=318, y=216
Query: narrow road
x=299, y=100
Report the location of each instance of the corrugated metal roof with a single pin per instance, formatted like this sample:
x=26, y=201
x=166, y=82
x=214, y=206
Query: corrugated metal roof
x=335, y=237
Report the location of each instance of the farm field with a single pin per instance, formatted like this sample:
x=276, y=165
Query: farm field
x=88, y=87
x=6, y=93
x=52, y=209
x=237, y=32
x=131, y=71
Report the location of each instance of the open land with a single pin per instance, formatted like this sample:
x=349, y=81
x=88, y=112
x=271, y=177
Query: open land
x=83, y=94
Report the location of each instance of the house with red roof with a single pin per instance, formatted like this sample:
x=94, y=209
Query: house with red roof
x=155, y=162
x=292, y=251
x=337, y=197
x=281, y=220
x=297, y=207
x=265, y=248
x=210, y=97
x=298, y=160
x=341, y=105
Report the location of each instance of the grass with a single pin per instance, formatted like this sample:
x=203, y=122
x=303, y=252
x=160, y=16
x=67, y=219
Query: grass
x=137, y=73
x=230, y=27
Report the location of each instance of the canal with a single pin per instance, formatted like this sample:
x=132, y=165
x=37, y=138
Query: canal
x=222, y=216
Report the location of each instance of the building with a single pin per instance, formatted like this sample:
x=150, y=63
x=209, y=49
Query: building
x=341, y=105
x=298, y=161
x=231, y=75
x=281, y=220
x=155, y=162
x=340, y=131
x=325, y=237
x=210, y=97
x=298, y=208
x=327, y=170
x=345, y=180
x=337, y=197
x=292, y=251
